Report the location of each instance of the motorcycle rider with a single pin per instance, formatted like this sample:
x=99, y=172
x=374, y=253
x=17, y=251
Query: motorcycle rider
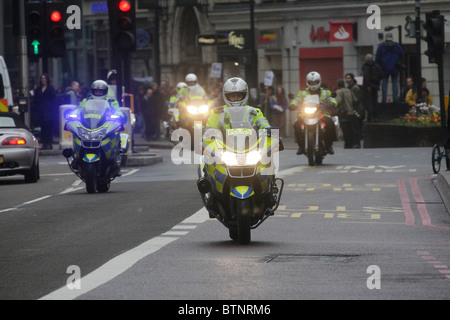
x=193, y=88
x=173, y=101
x=313, y=81
x=235, y=94
x=99, y=90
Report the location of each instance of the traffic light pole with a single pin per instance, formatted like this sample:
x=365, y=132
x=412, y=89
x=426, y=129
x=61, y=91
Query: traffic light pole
x=23, y=61
x=418, y=73
x=440, y=64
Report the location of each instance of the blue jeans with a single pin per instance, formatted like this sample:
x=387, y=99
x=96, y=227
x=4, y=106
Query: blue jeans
x=384, y=83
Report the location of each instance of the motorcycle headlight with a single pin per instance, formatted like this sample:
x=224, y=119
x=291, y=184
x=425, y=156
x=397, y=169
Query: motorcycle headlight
x=310, y=110
x=192, y=109
x=203, y=109
x=232, y=159
x=91, y=135
x=253, y=157
x=229, y=158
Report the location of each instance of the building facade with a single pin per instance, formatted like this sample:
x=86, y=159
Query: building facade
x=272, y=41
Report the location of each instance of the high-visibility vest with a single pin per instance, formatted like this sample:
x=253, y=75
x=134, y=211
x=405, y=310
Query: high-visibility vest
x=4, y=105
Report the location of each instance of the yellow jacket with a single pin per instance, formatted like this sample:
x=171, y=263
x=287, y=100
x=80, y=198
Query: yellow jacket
x=412, y=96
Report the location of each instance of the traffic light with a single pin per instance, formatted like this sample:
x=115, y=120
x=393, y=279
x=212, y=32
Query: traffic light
x=55, y=24
x=122, y=22
x=35, y=29
x=434, y=25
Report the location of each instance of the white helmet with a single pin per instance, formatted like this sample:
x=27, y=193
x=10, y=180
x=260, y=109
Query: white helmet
x=181, y=85
x=99, y=89
x=313, y=80
x=190, y=77
x=235, y=85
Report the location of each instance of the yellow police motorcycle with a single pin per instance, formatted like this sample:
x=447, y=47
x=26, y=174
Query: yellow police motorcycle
x=194, y=113
x=98, y=147
x=314, y=129
x=237, y=173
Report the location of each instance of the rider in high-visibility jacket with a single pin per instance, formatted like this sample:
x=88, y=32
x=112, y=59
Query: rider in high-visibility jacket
x=235, y=94
x=313, y=81
x=99, y=89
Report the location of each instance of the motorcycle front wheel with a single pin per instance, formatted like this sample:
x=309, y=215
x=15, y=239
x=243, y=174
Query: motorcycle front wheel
x=311, y=143
x=91, y=178
x=243, y=229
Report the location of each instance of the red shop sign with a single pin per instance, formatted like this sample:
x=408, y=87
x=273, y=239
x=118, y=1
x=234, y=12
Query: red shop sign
x=341, y=31
x=321, y=34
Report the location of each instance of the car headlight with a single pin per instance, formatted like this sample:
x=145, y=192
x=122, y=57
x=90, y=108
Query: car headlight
x=253, y=157
x=310, y=110
x=192, y=109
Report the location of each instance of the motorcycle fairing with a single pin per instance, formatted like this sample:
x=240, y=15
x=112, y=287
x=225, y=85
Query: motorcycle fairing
x=242, y=192
x=91, y=158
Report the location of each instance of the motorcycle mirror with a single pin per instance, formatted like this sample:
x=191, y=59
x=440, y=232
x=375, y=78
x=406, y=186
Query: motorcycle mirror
x=68, y=152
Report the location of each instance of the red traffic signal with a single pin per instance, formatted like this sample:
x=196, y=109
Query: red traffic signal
x=55, y=24
x=55, y=16
x=124, y=6
x=122, y=23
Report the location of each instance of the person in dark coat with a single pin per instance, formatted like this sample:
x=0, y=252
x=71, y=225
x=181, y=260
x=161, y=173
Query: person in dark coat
x=372, y=75
x=44, y=103
x=388, y=56
x=150, y=112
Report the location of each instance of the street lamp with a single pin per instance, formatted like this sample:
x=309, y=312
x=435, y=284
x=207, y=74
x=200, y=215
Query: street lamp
x=399, y=29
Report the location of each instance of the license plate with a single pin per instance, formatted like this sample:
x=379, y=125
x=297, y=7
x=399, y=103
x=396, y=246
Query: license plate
x=1, y=159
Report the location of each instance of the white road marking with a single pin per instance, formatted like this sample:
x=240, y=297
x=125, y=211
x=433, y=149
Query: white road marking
x=123, y=262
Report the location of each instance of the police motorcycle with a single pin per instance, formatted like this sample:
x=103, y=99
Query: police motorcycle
x=98, y=147
x=173, y=120
x=314, y=129
x=237, y=173
x=195, y=111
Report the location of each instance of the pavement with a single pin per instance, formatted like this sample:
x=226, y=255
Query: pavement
x=145, y=154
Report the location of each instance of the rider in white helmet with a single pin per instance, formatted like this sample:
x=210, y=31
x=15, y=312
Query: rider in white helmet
x=192, y=88
x=99, y=90
x=313, y=82
x=235, y=94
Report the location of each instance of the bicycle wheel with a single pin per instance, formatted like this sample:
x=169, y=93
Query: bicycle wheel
x=436, y=157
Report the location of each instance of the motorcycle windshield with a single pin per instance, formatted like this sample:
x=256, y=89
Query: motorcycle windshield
x=241, y=137
x=94, y=113
x=240, y=117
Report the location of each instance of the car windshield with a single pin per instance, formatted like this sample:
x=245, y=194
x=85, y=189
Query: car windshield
x=7, y=122
x=11, y=120
x=94, y=112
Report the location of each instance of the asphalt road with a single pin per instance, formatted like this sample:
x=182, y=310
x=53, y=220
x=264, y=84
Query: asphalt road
x=367, y=224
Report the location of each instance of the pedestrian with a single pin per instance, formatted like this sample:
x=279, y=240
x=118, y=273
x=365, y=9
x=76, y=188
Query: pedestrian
x=348, y=117
x=409, y=85
x=72, y=94
x=261, y=97
x=358, y=104
x=150, y=115
x=411, y=96
x=372, y=75
x=388, y=56
x=266, y=106
x=278, y=106
x=44, y=102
